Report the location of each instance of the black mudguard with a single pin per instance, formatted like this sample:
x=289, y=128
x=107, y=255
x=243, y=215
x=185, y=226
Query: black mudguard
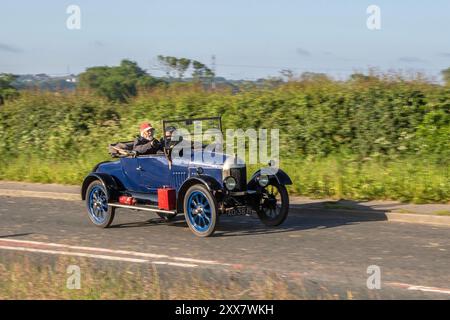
x=281, y=177
x=210, y=183
x=110, y=184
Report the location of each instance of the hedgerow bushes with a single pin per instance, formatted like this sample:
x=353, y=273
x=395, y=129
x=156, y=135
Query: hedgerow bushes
x=373, y=138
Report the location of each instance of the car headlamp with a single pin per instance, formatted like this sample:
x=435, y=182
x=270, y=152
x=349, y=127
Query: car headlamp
x=200, y=170
x=230, y=183
x=263, y=180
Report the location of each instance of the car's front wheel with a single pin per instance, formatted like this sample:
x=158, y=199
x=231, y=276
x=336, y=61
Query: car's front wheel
x=100, y=214
x=200, y=210
x=274, y=206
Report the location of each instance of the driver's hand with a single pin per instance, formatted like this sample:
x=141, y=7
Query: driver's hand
x=155, y=143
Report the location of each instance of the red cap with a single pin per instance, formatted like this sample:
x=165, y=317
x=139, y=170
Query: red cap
x=145, y=127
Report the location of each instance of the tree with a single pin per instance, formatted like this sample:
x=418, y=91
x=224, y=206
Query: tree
x=182, y=65
x=287, y=74
x=446, y=76
x=117, y=83
x=360, y=77
x=128, y=67
x=7, y=90
x=201, y=71
x=169, y=64
x=174, y=65
x=314, y=76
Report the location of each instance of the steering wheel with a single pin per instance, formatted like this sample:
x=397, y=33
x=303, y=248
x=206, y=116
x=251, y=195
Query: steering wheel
x=125, y=153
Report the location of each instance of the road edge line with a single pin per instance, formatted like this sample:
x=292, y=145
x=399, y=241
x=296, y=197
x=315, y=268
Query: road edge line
x=393, y=216
x=40, y=194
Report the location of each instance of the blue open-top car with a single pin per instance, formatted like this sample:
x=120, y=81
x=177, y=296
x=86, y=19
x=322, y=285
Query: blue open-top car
x=168, y=184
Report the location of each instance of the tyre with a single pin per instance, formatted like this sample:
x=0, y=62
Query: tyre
x=200, y=210
x=100, y=214
x=274, y=206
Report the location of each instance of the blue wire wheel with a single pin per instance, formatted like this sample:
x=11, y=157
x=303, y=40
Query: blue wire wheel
x=200, y=210
x=97, y=205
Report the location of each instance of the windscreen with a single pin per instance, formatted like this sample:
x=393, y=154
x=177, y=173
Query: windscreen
x=202, y=131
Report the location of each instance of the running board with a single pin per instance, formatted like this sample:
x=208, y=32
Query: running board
x=155, y=209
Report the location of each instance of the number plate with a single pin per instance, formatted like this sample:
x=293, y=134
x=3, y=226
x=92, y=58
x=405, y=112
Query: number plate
x=239, y=211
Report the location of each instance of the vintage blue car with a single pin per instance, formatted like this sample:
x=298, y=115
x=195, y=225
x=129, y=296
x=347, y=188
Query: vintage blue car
x=169, y=185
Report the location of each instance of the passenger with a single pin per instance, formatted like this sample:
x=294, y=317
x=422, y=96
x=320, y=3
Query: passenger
x=166, y=141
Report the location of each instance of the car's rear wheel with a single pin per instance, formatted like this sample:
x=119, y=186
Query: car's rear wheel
x=200, y=210
x=274, y=206
x=100, y=214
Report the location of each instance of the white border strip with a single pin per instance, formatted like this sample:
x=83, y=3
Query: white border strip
x=419, y=288
x=111, y=251
x=75, y=254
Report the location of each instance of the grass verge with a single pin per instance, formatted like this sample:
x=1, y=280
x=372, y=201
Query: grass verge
x=45, y=277
x=409, y=180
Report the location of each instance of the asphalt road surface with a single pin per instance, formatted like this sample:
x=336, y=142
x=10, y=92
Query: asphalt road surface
x=318, y=245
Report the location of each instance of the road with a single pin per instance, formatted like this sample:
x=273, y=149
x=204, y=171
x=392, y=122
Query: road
x=323, y=246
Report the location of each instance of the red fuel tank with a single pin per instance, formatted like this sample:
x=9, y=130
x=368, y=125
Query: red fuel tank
x=167, y=198
x=130, y=201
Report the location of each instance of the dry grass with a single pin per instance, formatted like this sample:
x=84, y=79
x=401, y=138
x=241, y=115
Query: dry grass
x=442, y=213
x=24, y=278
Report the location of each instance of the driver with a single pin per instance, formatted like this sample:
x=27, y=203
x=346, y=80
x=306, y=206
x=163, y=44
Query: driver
x=146, y=142
x=142, y=145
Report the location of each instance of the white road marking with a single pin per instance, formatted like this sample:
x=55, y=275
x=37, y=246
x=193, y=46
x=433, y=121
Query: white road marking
x=429, y=289
x=40, y=194
x=419, y=288
x=176, y=264
x=76, y=254
x=115, y=252
x=200, y=261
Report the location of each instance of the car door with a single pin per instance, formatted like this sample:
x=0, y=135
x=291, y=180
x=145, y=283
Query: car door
x=154, y=172
x=132, y=174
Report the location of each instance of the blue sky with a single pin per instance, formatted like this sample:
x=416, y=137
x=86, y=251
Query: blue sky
x=250, y=38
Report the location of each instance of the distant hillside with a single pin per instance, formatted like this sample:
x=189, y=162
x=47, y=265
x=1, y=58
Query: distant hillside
x=69, y=82
x=45, y=82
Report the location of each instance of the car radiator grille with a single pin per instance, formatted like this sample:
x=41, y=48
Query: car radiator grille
x=240, y=174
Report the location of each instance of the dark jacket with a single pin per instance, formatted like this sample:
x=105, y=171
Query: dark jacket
x=143, y=146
